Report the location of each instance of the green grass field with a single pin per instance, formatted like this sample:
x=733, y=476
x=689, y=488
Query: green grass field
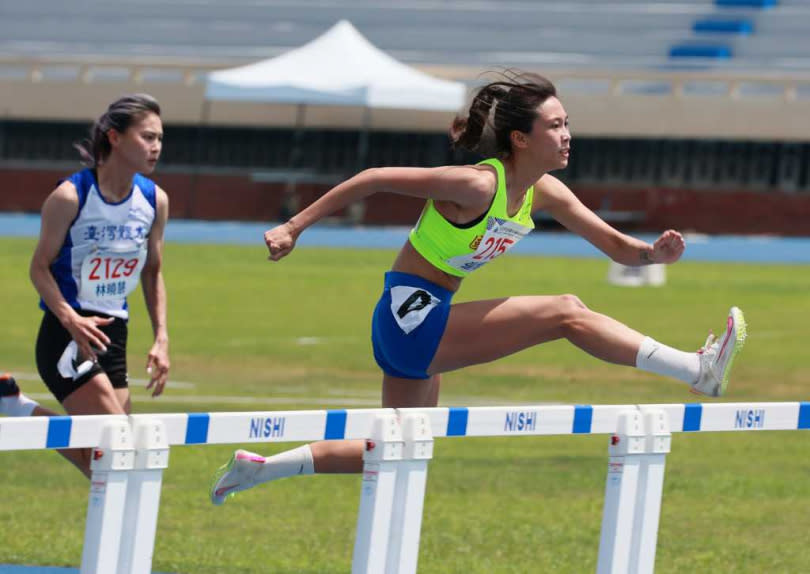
x=251, y=335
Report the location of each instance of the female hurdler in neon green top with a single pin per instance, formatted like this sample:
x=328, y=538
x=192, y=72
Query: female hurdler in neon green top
x=474, y=214
x=459, y=250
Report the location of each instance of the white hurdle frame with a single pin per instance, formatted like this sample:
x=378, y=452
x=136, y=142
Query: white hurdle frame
x=130, y=454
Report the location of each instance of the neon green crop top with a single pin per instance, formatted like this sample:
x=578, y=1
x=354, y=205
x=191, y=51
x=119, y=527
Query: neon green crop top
x=460, y=250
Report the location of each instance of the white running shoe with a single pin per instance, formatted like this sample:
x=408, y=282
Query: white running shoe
x=717, y=356
x=238, y=474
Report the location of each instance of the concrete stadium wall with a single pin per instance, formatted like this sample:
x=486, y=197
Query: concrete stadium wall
x=687, y=104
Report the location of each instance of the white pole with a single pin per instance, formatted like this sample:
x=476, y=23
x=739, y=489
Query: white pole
x=143, y=496
x=620, y=494
x=110, y=466
x=383, y=453
x=650, y=491
x=409, y=497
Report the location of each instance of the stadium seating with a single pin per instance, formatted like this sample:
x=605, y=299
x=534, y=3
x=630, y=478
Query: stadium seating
x=754, y=33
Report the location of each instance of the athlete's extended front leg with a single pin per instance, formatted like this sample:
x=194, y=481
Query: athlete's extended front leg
x=483, y=331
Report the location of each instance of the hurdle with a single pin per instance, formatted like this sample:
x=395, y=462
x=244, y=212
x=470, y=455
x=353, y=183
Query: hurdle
x=130, y=454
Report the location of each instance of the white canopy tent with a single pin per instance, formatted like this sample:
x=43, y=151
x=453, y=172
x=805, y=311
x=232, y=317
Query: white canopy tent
x=340, y=67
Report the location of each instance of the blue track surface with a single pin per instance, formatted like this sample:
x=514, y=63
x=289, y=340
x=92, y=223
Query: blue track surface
x=742, y=249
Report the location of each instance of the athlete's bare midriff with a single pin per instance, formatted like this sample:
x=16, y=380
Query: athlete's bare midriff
x=409, y=261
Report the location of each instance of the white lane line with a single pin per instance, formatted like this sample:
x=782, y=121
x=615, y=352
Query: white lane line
x=231, y=400
x=23, y=376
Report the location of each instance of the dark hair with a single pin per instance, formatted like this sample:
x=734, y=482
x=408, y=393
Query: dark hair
x=516, y=97
x=119, y=116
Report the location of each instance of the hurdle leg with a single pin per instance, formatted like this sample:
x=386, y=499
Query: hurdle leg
x=409, y=495
x=650, y=490
x=143, y=496
x=110, y=466
x=383, y=453
x=620, y=494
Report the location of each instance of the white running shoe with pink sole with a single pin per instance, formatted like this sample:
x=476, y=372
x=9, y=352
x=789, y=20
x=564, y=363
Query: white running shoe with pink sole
x=718, y=354
x=236, y=475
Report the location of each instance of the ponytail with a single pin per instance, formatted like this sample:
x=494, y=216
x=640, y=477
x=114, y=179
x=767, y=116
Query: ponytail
x=515, y=99
x=466, y=133
x=95, y=149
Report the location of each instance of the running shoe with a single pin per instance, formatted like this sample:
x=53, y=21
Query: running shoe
x=718, y=354
x=238, y=474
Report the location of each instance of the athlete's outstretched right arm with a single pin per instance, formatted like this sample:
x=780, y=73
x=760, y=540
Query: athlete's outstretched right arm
x=462, y=185
x=58, y=211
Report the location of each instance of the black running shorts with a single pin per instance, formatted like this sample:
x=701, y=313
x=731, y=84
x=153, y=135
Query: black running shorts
x=60, y=367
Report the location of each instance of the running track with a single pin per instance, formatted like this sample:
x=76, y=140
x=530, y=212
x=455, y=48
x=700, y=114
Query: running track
x=741, y=249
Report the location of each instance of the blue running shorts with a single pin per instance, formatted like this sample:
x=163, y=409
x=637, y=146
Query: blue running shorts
x=408, y=323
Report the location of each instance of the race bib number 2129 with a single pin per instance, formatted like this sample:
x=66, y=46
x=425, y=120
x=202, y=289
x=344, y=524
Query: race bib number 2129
x=110, y=275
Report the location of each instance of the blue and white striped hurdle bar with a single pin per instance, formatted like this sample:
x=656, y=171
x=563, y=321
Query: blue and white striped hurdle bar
x=34, y=433
x=130, y=454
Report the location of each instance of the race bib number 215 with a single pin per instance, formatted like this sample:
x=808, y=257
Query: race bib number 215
x=501, y=235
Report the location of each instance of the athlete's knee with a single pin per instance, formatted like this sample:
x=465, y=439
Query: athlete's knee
x=556, y=316
x=571, y=303
x=571, y=313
